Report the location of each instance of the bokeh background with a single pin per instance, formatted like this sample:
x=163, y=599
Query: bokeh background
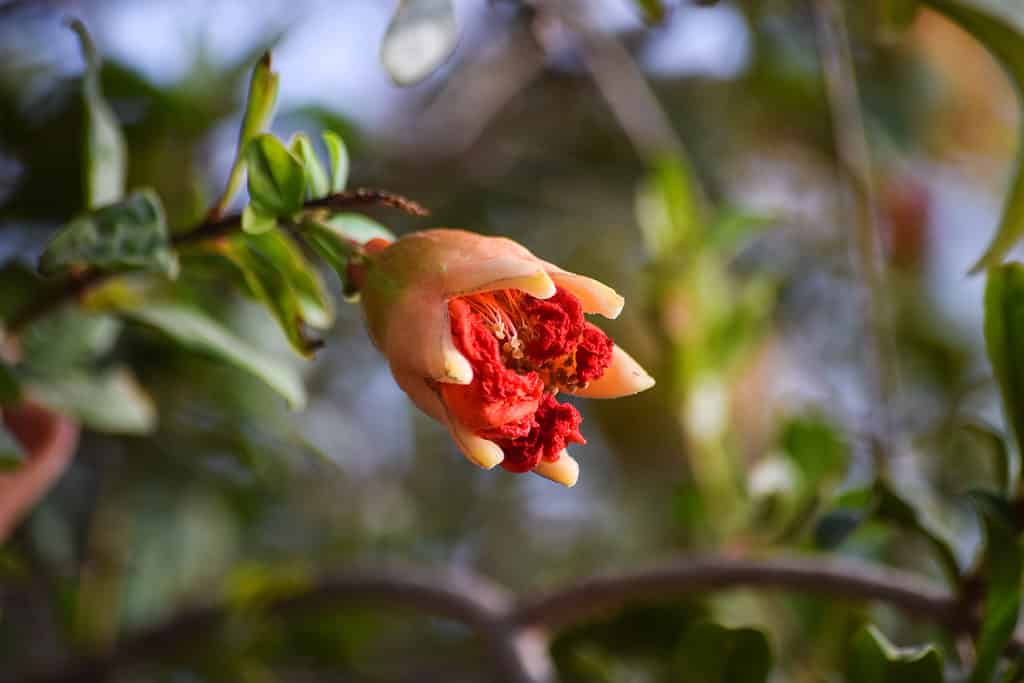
x=691, y=165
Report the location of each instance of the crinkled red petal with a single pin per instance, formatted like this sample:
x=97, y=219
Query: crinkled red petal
x=594, y=353
x=497, y=395
x=552, y=428
x=555, y=325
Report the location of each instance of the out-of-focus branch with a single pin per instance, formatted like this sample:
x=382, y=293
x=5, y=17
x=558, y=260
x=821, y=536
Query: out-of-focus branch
x=512, y=629
x=855, y=170
x=77, y=285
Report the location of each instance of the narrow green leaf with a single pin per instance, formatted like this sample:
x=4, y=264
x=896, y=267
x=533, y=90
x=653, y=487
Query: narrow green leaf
x=110, y=401
x=668, y=207
x=12, y=455
x=873, y=659
x=259, y=109
x=358, y=228
x=991, y=440
x=255, y=222
x=277, y=180
x=317, y=184
x=314, y=301
x=1001, y=35
x=192, y=328
x=1004, y=335
x=337, y=241
x=270, y=285
x=1004, y=563
x=710, y=653
x=128, y=235
x=421, y=36
x=338, y=154
x=893, y=508
x=10, y=386
x=105, y=156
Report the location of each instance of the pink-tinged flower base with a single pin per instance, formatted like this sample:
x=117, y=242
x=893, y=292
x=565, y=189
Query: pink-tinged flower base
x=483, y=335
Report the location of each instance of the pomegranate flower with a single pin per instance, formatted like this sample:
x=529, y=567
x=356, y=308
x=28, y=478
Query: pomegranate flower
x=483, y=335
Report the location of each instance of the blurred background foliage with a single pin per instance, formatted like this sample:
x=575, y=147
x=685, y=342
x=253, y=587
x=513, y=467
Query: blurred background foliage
x=689, y=163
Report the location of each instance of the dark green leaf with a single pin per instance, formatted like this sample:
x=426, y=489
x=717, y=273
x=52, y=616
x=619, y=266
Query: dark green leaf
x=1004, y=565
x=104, y=171
x=130, y=234
x=710, y=653
x=317, y=184
x=110, y=401
x=337, y=241
x=991, y=440
x=194, y=329
x=270, y=285
x=816, y=447
x=277, y=180
x=314, y=301
x=893, y=508
x=421, y=36
x=10, y=386
x=873, y=659
x=994, y=28
x=338, y=154
x=259, y=109
x=12, y=455
x=1004, y=335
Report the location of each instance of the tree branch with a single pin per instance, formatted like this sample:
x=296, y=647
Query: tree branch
x=512, y=629
x=76, y=285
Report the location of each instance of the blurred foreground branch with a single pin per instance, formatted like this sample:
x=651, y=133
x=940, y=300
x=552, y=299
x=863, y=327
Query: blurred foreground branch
x=212, y=228
x=512, y=629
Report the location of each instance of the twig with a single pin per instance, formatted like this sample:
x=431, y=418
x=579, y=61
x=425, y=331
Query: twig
x=76, y=285
x=512, y=629
x=855, y=167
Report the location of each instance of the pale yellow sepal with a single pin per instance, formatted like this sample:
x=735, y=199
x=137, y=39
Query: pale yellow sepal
x=564, y=471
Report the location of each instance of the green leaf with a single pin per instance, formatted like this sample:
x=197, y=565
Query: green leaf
x=270, y=285
x=991, y=440
x=338, y=154
x=668, y=207
x=1004, y=564
x=815, y=446
x=710, y=653
x=67, y=340
x=314, y=301
x=873, y=659
x=12, y=455
x=653, y=11
x=277, y=180
x=110, y=401
x=421, y=36
x=10, y=386
x=337, y=241
x=192, y=328
x=255, y=222
x=128, y=235
x=1004, y=335
x=317, y=184
x=893, y=508
x=1002, y=35
x=259, y=109
x=104, y=171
